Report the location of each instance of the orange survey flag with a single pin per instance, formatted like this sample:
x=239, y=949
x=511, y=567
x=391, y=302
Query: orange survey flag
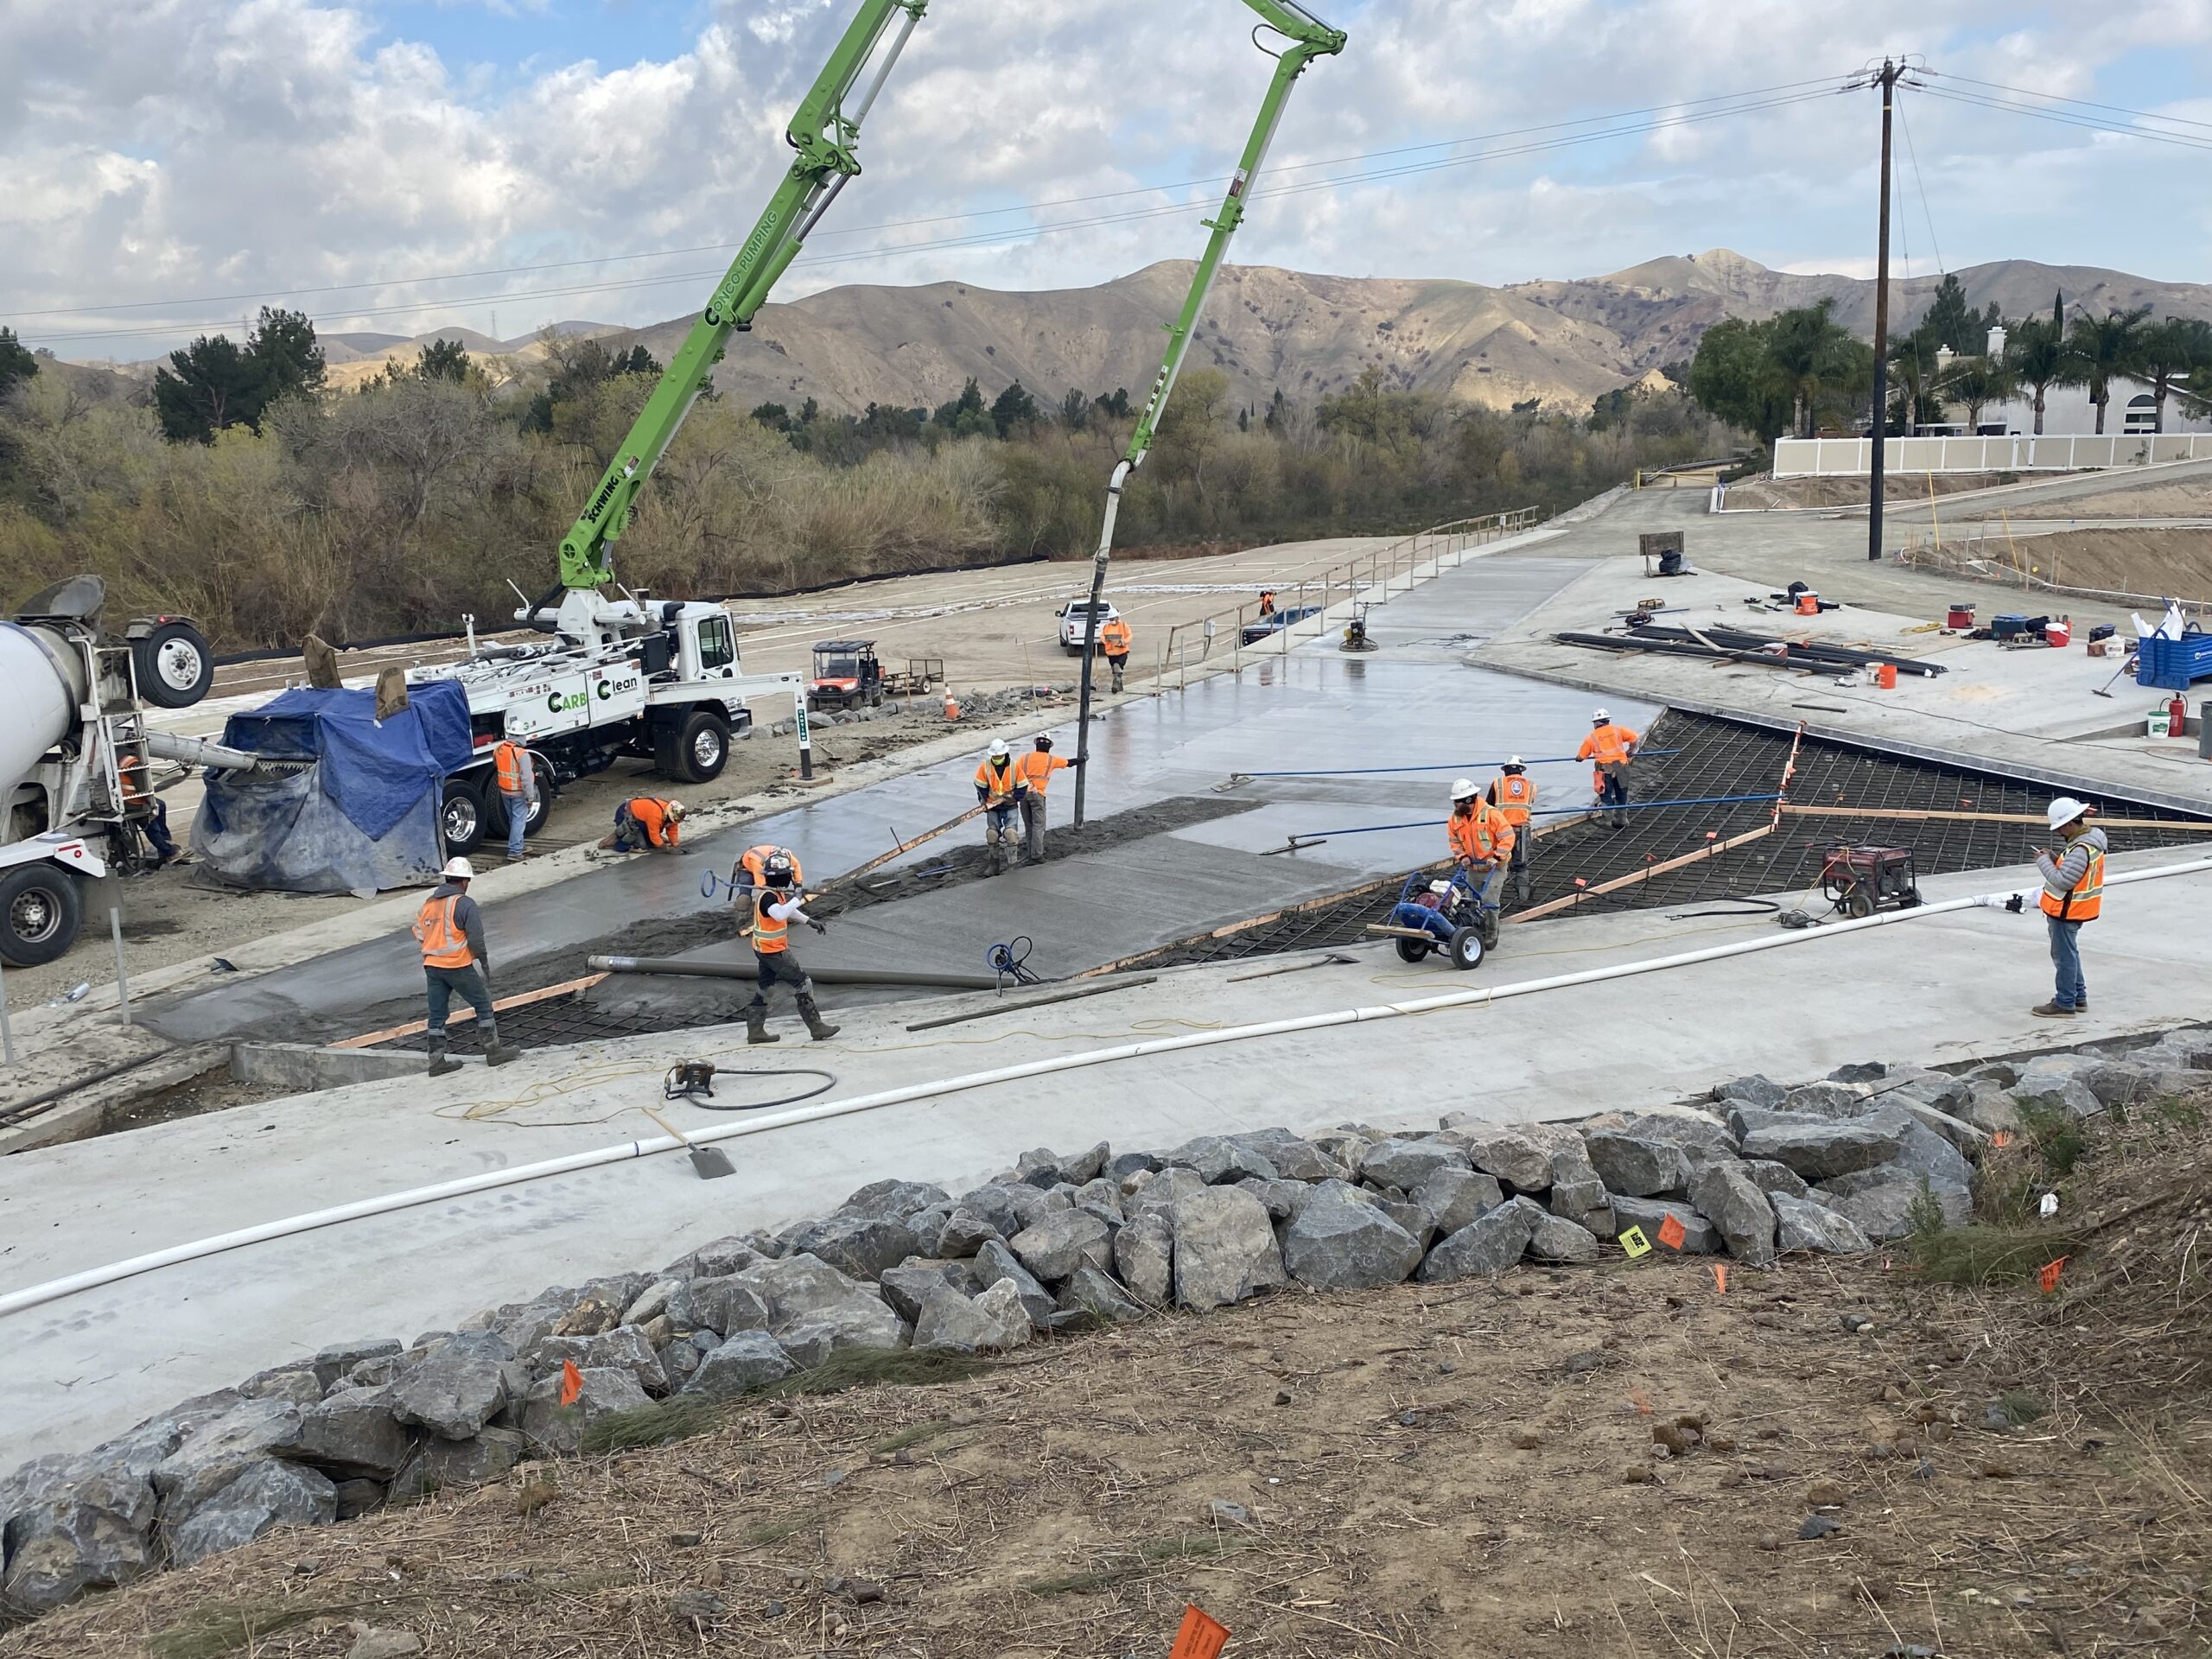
x=1200, y=1637
x=1671, y=1232
x=2047, y=1278
x=572, y=1382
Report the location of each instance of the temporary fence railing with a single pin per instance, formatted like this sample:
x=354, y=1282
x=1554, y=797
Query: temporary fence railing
x=1373, y=576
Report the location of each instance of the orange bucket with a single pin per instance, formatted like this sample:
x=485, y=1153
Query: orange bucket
x=1885, y=675
x=1808, y=603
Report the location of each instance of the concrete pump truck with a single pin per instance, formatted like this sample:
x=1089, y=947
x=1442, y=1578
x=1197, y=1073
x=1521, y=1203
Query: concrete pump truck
x=651, y=679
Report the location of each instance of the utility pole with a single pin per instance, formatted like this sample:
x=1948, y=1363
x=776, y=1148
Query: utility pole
x=1888, y=82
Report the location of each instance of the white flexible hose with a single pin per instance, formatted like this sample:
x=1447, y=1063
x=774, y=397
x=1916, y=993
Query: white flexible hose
x=92, y=1278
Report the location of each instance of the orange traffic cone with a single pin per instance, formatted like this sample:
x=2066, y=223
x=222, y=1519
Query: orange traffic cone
x=951, y=705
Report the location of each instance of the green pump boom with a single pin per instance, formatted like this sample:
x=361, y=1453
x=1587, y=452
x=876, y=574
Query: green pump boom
x=823, y=132
x=1310, y=38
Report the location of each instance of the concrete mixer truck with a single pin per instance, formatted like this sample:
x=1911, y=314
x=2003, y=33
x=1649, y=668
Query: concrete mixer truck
x=76, y=753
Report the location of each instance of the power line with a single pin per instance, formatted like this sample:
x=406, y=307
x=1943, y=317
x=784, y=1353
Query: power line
x=2058, y=97
x=2066, y=118
x=1920, y=184
x=1027, y=233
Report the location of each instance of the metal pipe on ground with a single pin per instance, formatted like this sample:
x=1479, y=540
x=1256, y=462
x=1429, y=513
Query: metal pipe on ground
x=746, y=970
x=93, y=1278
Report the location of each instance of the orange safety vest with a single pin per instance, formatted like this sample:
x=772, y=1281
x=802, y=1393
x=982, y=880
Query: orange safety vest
x=998, y=783
x=2086, y=898
x=1482, y=834
x=1517, y=793
x=1036, y=769
x=1607, y=745
x=131, y=774
x=754, y=862
x=769, y=935
x=444, y=944
x=1116, y=637
x=509, y=759
x=652, y=818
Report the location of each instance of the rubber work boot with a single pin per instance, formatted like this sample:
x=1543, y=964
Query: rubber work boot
x=821, y=1030
x=495, y=1052
x=756, y=1025
x=438, y=1063
x=1521, y=886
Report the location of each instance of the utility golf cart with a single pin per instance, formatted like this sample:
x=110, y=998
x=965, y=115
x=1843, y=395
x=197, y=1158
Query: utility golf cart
x=846, y=674
x=1436, y=915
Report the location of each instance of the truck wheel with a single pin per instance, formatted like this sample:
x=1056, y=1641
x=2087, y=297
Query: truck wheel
x=1467, y=947
x=702, y=747
x=1411, y=949
x=41, y=907
x=462, y=818
x=173, y=665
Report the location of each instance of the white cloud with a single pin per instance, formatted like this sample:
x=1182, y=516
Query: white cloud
x=203, y=147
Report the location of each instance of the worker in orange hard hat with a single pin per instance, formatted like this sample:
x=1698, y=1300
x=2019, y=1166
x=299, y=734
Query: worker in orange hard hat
x=1609, y=748
x=1513, y=792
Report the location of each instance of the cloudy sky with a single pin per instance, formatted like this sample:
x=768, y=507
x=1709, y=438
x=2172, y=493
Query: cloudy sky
x=392, y=165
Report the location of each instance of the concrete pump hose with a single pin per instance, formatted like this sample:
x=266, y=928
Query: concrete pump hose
x=93, y=1278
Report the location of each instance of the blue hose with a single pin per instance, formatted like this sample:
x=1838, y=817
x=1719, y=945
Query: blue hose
x=1453, y=765
x=1548, y=811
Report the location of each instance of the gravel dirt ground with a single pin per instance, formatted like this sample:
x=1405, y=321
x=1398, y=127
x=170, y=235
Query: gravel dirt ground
x=1764, y=489
x=1835, y=1459
x=2190, y=499
x=2176, y=562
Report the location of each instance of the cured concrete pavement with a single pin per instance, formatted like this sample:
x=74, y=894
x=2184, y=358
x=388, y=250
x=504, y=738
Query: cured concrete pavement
x=1937, y=989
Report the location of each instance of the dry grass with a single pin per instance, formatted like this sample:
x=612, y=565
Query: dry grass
x=1449, y=1476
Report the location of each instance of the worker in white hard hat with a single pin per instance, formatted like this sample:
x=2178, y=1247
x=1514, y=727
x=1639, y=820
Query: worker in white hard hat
x=450, y=929
x=1609, y=748
x=1482, y=839
x=999, y=789
x=1513, y=792
x=2072, y=892
x=646, y=823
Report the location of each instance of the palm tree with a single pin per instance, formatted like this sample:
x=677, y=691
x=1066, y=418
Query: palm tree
x=2103, y=348
x=2035, y=354
x=1912, y=372
x=1977, y=382
x=2172, y=352
x=2196, y=395
x=1810, y=353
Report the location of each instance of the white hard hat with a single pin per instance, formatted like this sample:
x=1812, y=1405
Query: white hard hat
x=676, y=809
x=460, y=869
x=2064, y=810
x=1463, y=789
x=1514, y=761
x=1599, y=714
x=999, y=750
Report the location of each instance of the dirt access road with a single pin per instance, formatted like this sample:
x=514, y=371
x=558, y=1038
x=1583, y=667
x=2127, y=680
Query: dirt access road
x=995, y=628
x=1831, y=1460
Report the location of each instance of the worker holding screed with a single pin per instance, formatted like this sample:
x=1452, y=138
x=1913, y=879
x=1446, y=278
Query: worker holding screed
x=2072, y=892
x=1609, y=748
x=999, y=789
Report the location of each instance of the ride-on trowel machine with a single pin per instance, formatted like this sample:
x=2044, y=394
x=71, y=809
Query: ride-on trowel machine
x=1441, y=915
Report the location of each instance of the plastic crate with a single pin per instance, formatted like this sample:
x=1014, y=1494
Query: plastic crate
x=2171, y=665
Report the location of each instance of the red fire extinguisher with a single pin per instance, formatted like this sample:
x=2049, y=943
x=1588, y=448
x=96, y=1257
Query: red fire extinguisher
x=2177, y=716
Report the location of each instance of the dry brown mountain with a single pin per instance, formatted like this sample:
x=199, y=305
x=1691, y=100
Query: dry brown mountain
x=1563, y=343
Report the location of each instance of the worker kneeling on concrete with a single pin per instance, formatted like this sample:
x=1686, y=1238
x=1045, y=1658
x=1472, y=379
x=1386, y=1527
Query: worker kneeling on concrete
x=1036, y=769
x=450, y=929
x=999, y=788
x=776, y=906
x=1482, y=840
x=1609, y=748
x=2072, y=892
x=1513, y=792
x=645, y=822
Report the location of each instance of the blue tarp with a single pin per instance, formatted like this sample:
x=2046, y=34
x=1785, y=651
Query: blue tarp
x=374, y=773
x=361, y=815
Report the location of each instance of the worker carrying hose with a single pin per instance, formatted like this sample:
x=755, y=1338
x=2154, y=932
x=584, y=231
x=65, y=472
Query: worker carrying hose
x=645, y=822
x=2072, y=892
x=1513, y=792
x=1036, y=769
x=1611, y=748
x=1116, y=640
x=450, y=929
x=999, y=789
x=776, y=904
x=1482, y=840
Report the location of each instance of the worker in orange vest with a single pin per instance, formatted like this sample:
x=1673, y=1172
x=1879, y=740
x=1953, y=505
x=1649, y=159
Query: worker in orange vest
x=645, y=822
x=1513, y=792
x=999, y=788
x=133, y=772
x=1482, y=839
x=450, y=929
x=2072, y=892
x=1116, y=640
x=778, y=902
x=1036, y=769
x=517, y=779
x=1267, y=603
x=1609, y=748
x=750, y=874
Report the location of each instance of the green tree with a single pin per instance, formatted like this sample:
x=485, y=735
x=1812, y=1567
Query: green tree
x=2103, y=348
x=775, y=416
x=16, y=365
x=286, y=358
x=443, y=360
x=2172, y=352
x=1977, y=382
x=1732, y=380
x=1913, y=380
x=209, y=387
x=1954, y=323
x=965, y=416
x=1075, y=410
x=1813, y=355
x=2195, y=392
x=1115, y=403
x=2036, y=356
x=1014, y=408
x=1277, y=419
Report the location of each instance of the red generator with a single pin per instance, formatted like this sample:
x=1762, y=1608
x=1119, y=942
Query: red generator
x=1859, y=880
